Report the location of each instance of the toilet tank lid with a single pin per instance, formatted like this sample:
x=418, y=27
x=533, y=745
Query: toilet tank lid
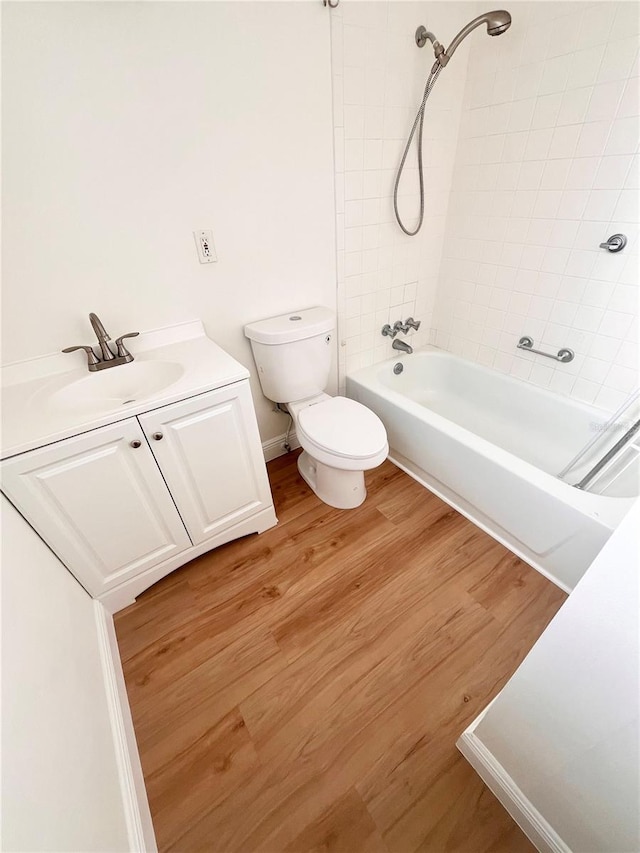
x=294, y=326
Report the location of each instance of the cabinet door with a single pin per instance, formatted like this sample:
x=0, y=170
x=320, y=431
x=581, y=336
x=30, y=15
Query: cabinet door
x=99, y=503
x=209, y=451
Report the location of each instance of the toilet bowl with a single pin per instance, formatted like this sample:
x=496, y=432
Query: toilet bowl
x=340, y=438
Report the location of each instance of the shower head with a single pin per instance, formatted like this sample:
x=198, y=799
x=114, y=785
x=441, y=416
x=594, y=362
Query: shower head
x=497, y=23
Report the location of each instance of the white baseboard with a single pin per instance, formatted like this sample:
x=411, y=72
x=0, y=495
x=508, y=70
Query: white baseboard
x=134, y=796
x=274, y=447
x=495, y=777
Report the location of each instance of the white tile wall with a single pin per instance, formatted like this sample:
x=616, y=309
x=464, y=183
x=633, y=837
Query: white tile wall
x=378, y=79
x=546, y=168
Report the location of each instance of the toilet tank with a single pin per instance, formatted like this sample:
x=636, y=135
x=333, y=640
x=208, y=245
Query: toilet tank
x=293, y=353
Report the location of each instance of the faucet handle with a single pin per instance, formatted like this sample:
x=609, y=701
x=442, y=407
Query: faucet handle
x=122, y=350
x=413, y=324
x=399, y=326
x=92, y=358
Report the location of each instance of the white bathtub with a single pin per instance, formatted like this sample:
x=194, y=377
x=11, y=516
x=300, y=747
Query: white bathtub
x=491, y=446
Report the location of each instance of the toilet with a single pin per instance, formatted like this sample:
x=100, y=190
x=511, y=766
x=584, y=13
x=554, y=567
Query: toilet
x=340, y=438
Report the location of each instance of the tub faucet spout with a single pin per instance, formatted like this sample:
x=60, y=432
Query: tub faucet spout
x=402, y=346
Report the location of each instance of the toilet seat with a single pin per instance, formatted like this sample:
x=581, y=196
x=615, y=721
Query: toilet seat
x=342, y=433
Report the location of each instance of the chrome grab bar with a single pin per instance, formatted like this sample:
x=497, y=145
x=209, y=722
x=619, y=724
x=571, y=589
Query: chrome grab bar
x=609, y=455
x=563, y=355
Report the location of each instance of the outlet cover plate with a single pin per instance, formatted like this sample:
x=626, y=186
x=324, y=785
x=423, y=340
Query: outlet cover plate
x=205, y=246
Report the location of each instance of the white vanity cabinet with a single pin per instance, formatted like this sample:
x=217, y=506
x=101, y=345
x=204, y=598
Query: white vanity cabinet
x=100, y=503
x=124, y=504
x=209, y=452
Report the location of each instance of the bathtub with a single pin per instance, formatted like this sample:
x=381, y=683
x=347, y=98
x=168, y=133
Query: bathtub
x=491, y=447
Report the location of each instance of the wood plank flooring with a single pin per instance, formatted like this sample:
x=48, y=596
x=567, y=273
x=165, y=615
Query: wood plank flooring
x=303, y=690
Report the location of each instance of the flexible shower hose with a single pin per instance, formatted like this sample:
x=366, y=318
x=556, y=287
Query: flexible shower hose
x=418, y=123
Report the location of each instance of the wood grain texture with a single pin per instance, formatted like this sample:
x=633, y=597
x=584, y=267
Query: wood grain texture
x=303, y=690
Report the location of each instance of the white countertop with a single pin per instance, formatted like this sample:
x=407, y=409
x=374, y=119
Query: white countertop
x=32, y=415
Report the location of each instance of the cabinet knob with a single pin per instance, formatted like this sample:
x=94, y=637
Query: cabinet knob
x=135, y=443
x=157, y=436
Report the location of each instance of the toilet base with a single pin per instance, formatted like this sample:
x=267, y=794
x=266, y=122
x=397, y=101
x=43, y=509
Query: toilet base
x=337, y=488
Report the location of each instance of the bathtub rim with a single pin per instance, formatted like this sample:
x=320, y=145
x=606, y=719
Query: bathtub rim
x=605, y=509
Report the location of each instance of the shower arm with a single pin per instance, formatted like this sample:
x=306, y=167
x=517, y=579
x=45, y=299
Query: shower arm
x=422, y=34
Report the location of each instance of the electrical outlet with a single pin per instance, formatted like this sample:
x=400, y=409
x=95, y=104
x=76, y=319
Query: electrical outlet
x=205, y=247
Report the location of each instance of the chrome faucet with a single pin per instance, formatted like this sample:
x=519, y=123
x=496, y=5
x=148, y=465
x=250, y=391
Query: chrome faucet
x=402, y=346
x=108, y=359
x=102, y=336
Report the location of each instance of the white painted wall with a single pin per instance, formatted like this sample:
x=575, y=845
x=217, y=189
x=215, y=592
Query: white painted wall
x=379, y=75
x=126, y=126
x=546, y=169
x=566, y=728
x=60, y=785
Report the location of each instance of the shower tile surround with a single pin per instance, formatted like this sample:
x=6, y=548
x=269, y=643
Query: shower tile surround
x=546, y=168
x=544, y=126
x=378, y=82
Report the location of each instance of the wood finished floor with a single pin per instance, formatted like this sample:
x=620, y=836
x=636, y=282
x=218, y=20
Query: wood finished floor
x=303, y=690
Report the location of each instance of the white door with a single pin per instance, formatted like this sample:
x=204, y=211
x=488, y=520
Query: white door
x=100, y=503
x=209, y=450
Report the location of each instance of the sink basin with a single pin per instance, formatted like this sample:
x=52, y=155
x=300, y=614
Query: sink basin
x=114, y=387
x=53, y=397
